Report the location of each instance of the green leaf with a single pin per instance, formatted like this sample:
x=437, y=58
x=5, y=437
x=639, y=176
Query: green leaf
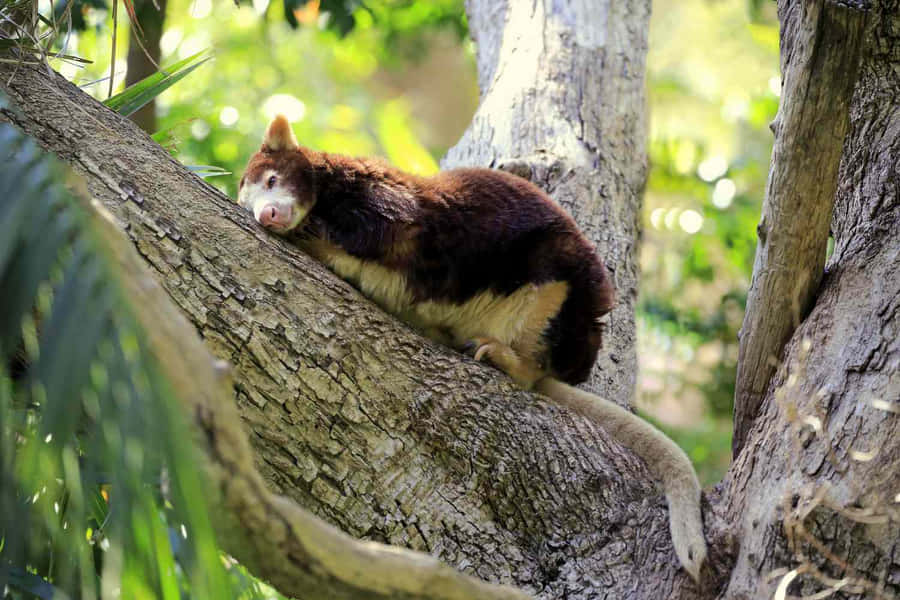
x=132, y=98
x=205, y=171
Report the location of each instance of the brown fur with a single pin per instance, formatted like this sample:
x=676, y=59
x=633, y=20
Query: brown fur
x=437, y=250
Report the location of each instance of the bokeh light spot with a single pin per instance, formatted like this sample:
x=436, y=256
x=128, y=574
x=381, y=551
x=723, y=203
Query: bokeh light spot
x=671, y=217
x=200, y=129
x=169, y=41
x=712, y=168
x=200, y=9
x=229, y=116
x=690, y=221
x=723, y=193
x=193, y=44
x=284, y=104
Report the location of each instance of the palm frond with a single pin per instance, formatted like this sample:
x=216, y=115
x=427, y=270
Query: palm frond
x=138, y=94
x=97, y=472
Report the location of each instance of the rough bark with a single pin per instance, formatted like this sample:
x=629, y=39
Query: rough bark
x=300, y=554
x=815, y=487
x=389, y=436
x=144, y=54
x=821, y=44
x=563, y=104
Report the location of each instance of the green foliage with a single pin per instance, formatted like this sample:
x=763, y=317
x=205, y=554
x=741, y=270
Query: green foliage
x=99, y=489
x=713, y=85
x=400, y=23
x=338, y=14
x=336, y=90
x=132, y=98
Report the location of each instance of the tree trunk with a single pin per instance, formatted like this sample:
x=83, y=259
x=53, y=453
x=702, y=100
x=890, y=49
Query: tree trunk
x=144, y=54
x=821, y=48
x=815, y=487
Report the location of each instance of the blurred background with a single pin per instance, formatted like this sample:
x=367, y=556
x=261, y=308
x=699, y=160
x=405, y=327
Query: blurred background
x=397, y=78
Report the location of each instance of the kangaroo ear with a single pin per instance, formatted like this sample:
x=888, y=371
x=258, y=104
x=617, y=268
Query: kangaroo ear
x=279, y=135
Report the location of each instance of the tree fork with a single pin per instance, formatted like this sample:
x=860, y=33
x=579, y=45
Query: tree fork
x=821, y=46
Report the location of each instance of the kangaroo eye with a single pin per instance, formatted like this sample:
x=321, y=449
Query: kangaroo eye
x=271, y=182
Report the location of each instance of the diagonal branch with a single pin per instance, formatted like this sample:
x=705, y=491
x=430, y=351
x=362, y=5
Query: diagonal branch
x=821, y=45
x=300, y=554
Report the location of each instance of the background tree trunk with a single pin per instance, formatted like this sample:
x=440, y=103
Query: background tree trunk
x=144, y=54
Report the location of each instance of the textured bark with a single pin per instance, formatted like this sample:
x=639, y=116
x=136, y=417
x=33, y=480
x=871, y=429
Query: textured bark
x=821, y=44
x=389, y=436
x=563, y=104
x=300, y=554
x=815, y=487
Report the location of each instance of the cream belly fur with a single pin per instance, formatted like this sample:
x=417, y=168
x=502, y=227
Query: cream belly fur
x=517, y=320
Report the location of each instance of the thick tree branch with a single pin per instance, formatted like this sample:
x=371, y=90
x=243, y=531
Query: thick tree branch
x=358, y=419
x=821, y=45
x=300, y=554
x=814, y=492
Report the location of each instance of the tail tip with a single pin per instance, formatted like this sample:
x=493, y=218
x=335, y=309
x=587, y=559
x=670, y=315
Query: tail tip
x=690, y=545
x=692, y=558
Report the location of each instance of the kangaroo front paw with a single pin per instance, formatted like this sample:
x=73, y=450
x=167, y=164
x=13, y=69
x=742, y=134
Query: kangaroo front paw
x=479, y=347
x=483, y=351
x=524, y=372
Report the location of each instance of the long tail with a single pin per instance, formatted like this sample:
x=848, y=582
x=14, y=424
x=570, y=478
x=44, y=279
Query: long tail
x=665, y=460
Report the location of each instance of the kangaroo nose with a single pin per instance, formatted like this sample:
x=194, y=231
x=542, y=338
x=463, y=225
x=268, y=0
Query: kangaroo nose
x=270, y=215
